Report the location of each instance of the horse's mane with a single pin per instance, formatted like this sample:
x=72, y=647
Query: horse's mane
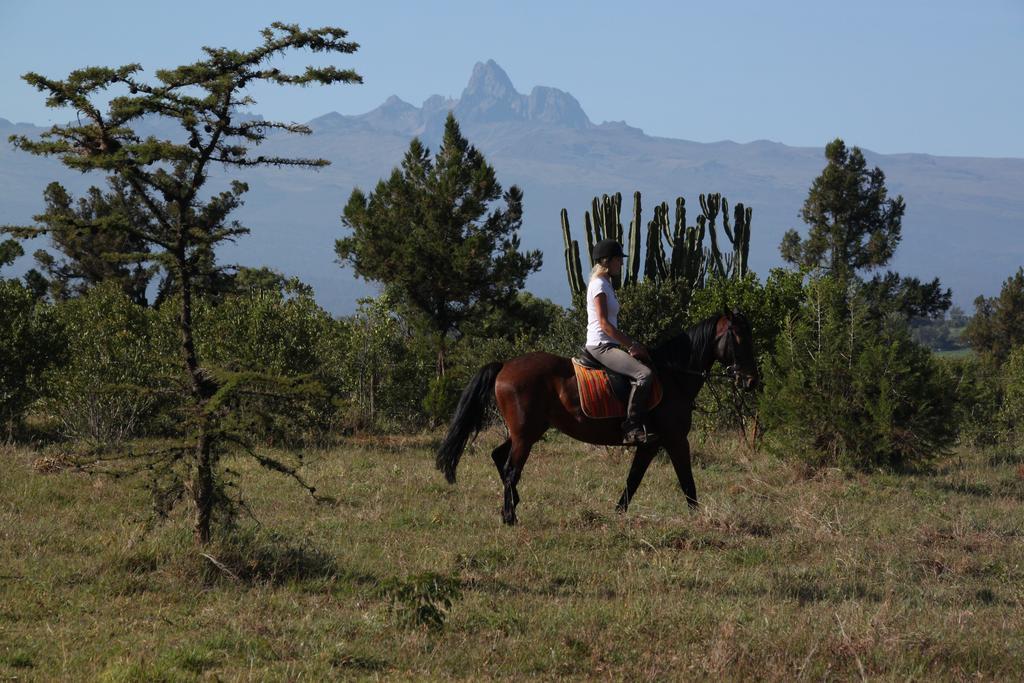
x=686, y=350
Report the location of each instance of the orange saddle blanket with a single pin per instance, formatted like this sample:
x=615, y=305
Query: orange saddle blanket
x=597, y=397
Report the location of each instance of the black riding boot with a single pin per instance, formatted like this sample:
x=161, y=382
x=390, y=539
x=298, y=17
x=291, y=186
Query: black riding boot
x=633, y=429
x=634, y=433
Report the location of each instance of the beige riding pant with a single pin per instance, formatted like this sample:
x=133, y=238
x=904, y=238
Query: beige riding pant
x=617, y=360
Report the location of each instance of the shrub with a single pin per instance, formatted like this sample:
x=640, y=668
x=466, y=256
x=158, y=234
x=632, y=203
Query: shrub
x=566, y=333
x=424, y=600
x=275, y=335
x=978, y=385
x=1011, y=414
x=120, y=354
x=841, y=391
x=652, y=311
x=384, y=366
x=31, y=342
x=767, y=306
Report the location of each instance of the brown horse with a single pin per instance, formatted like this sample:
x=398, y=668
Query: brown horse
x=538, y=390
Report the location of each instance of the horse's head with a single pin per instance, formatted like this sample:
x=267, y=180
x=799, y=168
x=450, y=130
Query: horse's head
x=734, y=348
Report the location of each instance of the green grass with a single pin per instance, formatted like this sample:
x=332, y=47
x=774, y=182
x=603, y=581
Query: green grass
x=782, y=574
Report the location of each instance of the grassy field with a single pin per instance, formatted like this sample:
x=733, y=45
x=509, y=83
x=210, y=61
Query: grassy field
x=782, y=574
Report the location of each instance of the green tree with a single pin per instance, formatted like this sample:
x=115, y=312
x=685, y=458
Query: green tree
x=855, y=228
x=10, y=251
x=92, y=237
x=431, y=235
x=906, y=298
x=998, y=322
x=245, y=280
x=854, y=225
x=168, y=177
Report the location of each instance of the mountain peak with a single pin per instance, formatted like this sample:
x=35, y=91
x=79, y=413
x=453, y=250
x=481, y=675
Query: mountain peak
x=489, y=80
x=554, y=106
x=395, y=102
x=490, y=97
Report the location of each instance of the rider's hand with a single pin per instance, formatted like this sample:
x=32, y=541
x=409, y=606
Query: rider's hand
x=638, y=350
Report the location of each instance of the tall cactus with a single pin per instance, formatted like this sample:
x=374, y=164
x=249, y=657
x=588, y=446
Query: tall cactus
x=710, y=204
x=655, y=267
x=573, y=268
x=679, y=227
x=590, y=238
x=686, y=258
x=740, y=237
x=607, y=212
x=632, y=271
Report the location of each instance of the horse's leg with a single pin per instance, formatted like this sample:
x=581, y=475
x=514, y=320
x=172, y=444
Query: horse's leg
x=679, y=453
x=500, y=456
x=513, y=470
x=641, y=460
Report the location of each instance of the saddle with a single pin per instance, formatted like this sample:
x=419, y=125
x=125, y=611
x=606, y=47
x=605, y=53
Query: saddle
x=604, y=393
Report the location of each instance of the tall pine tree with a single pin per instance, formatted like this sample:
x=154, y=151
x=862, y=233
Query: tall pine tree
x=997, y=327
x=853, y=224
x=95, y=241
x=431, y=234
x=854, y=229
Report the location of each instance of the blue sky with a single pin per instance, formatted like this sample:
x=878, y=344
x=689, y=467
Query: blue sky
x=936, y=77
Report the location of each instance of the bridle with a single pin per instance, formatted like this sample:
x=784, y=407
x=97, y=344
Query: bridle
x=732, y=341
x=731, y=371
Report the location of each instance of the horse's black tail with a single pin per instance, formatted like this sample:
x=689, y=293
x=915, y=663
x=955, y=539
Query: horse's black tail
x=468, y=418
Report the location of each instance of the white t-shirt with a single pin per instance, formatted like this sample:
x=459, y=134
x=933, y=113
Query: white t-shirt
x=595, y=335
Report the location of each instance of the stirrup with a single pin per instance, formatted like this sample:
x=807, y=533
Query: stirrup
x=636, y=434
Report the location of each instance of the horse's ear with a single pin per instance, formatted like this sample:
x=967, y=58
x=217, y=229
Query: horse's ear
x=726, y=313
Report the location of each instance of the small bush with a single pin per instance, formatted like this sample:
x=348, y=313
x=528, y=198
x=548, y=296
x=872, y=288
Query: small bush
x=120, y=354
x=841, y=391
x=31, y=342
x=766, y=306
x=281, y=337
x=385, y=368
x=978, y=385
x=1011, y=414
x=423, y=600
x=652, y=311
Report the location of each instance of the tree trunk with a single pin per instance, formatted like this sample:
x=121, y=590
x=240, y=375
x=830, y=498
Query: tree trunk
x=202, y=490
x=441, y=355
x=373, y=402
x=201, y=485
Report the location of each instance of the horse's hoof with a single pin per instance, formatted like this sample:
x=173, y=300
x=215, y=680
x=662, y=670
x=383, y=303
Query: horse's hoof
x=509, y=520
x=621, y=508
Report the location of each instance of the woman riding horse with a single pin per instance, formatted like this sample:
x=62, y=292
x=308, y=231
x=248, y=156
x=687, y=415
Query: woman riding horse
x=537, y=391
x=606, y=342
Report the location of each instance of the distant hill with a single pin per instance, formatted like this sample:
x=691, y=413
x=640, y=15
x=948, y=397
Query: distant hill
x=964, y=215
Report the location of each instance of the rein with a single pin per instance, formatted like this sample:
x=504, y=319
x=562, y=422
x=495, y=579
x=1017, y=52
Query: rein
x=730, y=372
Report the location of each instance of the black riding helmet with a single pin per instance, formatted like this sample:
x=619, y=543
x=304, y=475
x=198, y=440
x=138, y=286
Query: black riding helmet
x=607, y=249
